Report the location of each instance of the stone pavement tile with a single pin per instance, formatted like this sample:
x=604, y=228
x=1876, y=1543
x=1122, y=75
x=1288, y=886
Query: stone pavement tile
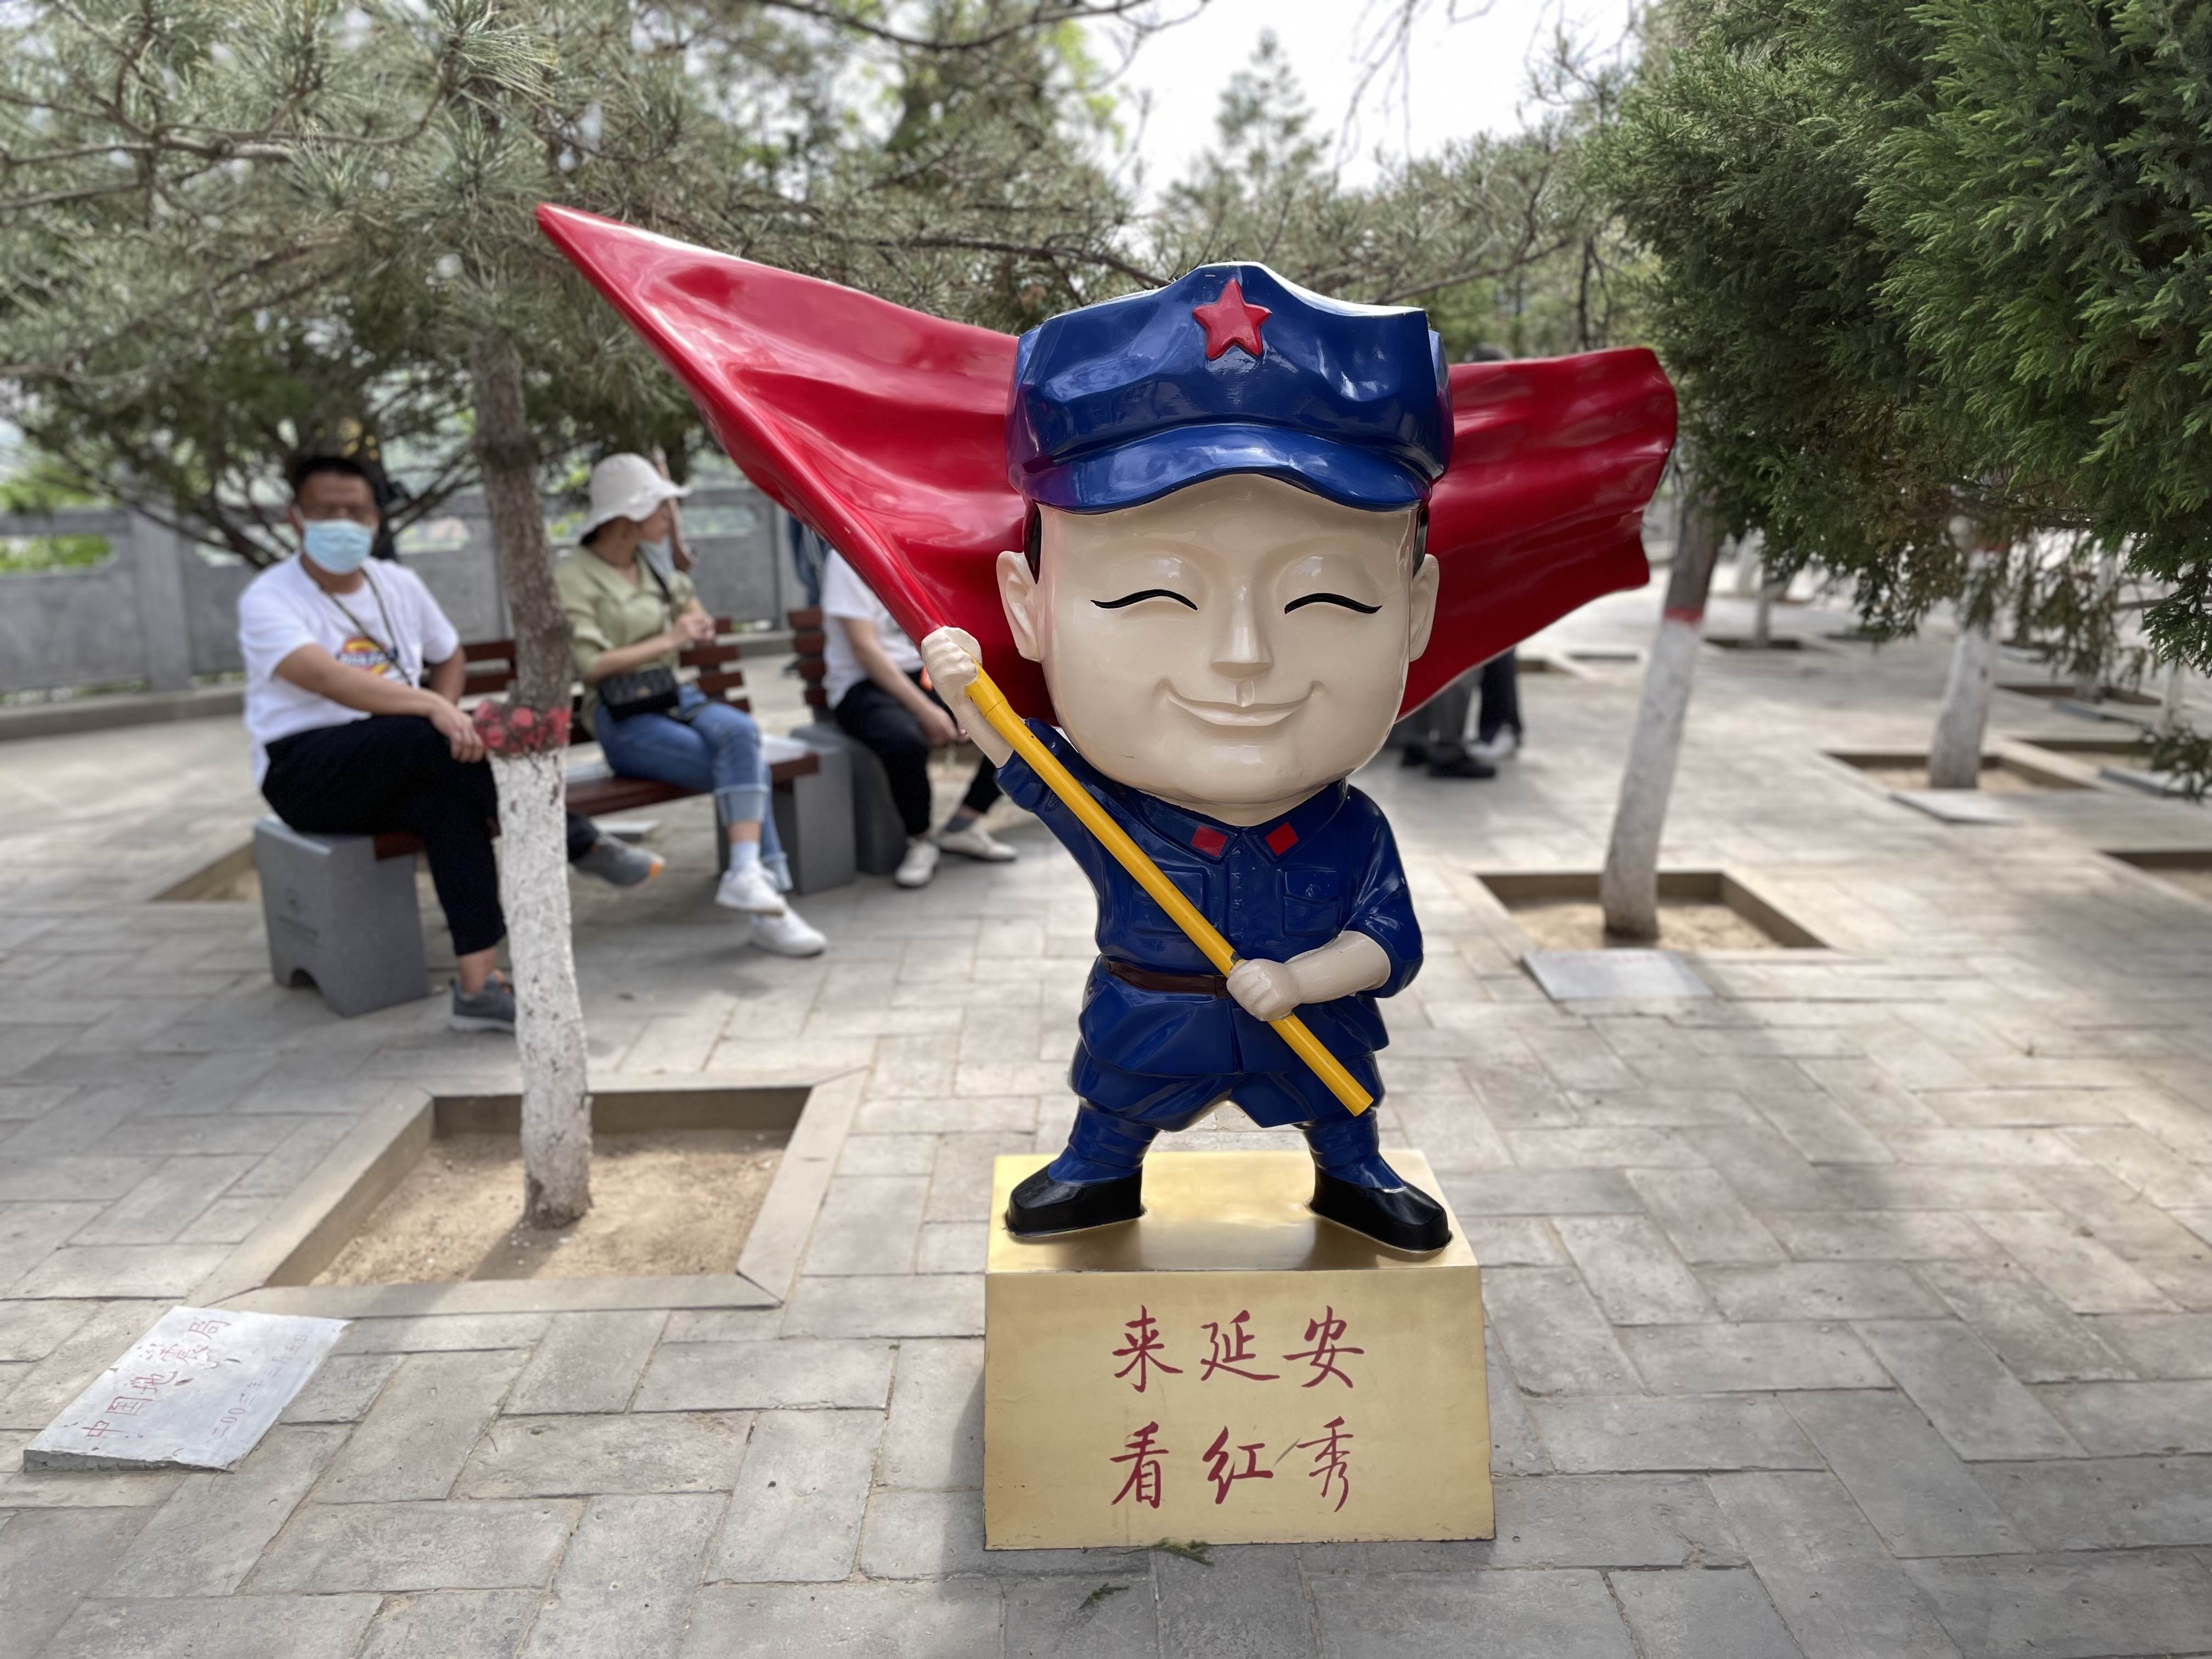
x=1880, y=1235
x=1689, y=1432
x=2103, y=1503
x=1558, y=1341
x=2189, y=1283
x=210, y=1135
x=235, y=1627
x=895, y=1305
x=1837, y=1588
x=1600, y=1149
x=421, y=1428
x=868, y=1224
x=570, y=1455
x=342, y=1389
x=2134, y=1419
x=1702, y=1615
x=1611, y=1521
x=160, y=1206
x=29, y=1231
x=2038, y=1339
x=1516, y=1448
x=2132, y=1225
x=443, y=1332
x=1630, y=1268
x=452, y=1625
x=1986, y=1148
x=587, y=1362
x=690, y=1376
x=1074, y=1619
x=935, y=1436
x=1699, y=1211
x=62, y=1375
x=50, y=1558
x=1565, y=1613
x=1248, y=1603
x=1919, y=1497
x=960, y=1175
x=31, y=1330
x=2159, y=1345
x=939, y=1535
x=227, y=1221
x=1516, y=1094
x=969, y=1111
x=2071, y=1607
x=1965, y=1390
x=626, y=1583
x=887, y=1155
x=723, y=1325
x=70, y=1489
x=207, y=1537
x=2084, y=1274
x=1578, y=1058
x=20, y=1104
x=1917, y=1187
x=1766, y=1172
x=952, y=1246
x=146, y=1270
x=1822, y=1130
x=1512, y=1242
x=295, y=1156
x=956, y=1618
x=1821, y=1289
x=1712, y=1358
x=2028, y=1108
x=800, y=1497
x=1540, y=1192
x=494, y=1544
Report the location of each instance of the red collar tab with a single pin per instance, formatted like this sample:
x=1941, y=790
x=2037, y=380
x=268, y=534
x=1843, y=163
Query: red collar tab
x=1230, y=321
x=1209, y=840
x=1281, y=839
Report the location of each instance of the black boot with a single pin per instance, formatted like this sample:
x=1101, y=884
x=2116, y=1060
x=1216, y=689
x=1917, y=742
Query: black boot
x=1404, y=1218
x=1456, y=762
x=1042, y=1205
x=1413, y=754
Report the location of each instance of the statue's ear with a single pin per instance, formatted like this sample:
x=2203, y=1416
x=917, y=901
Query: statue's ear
x=1021, y=595
x=1421, y=613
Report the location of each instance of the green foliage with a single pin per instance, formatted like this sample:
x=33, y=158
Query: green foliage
x=43, y=488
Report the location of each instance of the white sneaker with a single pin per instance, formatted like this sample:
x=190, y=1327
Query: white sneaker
x=973, y=841
x=749, y=889
x=919, y=864
x=1502, y=747
x=786, y=935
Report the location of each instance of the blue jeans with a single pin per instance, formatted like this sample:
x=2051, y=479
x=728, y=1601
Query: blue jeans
x=715, y=750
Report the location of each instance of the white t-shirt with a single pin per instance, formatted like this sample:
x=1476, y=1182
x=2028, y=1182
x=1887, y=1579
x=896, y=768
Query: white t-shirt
x=284, y=608
x=844, y=594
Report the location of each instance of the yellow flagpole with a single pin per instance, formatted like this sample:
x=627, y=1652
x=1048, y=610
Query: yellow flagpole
x=992, y=704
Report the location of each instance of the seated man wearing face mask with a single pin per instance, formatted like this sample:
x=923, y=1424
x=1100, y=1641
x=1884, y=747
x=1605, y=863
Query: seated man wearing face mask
x=352, y=674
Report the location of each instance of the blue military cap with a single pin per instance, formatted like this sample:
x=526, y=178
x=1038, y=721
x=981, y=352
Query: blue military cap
x=1229, y=369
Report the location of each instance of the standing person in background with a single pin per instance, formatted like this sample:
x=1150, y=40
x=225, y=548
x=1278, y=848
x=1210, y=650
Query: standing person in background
x=627, y=618
x=1498, y=727
x=352, y=681
x=872, y=674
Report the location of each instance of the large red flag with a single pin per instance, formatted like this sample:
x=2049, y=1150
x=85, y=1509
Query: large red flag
x=884, y=429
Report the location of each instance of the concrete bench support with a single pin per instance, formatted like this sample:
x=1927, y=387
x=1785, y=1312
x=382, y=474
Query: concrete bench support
x=814, y=821
x=879, y=834
x=340, y=918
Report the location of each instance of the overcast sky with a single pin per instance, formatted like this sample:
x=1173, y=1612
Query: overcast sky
x=1466, y=76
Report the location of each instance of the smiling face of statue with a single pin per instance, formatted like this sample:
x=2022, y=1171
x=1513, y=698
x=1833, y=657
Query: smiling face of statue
x=1231, y=646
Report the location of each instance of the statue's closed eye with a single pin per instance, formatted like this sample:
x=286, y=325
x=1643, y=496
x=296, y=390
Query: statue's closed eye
x=1332, y=599
x=1148, y=593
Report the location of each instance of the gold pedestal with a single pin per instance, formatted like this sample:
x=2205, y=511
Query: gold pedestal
x=1230, y=1368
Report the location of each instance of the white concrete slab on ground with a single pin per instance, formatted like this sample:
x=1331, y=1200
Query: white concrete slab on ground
x=1600, y=975
x=1954, y=805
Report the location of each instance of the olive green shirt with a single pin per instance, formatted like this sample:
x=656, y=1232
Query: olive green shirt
x=606, y=612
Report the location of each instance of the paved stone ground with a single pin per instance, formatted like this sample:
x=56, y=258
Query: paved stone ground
x=1865, y=1310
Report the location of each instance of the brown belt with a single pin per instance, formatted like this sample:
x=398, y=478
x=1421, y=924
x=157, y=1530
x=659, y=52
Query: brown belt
x=1147, y=979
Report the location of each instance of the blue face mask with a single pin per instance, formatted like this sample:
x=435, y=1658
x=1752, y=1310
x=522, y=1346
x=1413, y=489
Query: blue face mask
x=338, y=545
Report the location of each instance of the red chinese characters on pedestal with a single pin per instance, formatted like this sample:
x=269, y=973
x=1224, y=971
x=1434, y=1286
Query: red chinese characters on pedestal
x=1232, y=1351
x=1219, y=1458
x=1326, y=1335
x=1143, y=1457
x=1141, y=1346
x=1332, y=1463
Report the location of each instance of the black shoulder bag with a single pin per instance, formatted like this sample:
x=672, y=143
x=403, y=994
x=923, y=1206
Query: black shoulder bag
x=648, y=690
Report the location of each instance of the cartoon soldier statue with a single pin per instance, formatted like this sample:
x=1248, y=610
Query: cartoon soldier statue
x=1200, y=533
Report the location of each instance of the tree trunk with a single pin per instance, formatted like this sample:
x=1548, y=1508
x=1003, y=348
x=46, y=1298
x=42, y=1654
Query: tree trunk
x=1955, y=755
x=2169, y=705
x=1750, y=563
x=1762, y=616
x=528, y=741
x=1629, y=890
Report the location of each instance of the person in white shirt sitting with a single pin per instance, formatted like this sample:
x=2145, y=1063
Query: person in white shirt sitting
x=352, y=680
x=872, y=674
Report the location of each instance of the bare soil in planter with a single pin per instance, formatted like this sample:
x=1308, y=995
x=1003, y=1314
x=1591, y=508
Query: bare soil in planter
x=669, y=1201
x=1684, y=925
x=1996, y=780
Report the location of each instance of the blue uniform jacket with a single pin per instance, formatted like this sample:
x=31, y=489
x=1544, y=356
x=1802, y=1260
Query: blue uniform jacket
x=1275, y=890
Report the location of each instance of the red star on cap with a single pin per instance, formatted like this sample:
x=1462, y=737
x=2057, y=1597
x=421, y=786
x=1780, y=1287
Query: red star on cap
x=1228, y=321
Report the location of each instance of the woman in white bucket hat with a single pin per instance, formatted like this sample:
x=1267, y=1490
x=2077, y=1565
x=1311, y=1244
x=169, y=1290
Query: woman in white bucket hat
x=629, y=612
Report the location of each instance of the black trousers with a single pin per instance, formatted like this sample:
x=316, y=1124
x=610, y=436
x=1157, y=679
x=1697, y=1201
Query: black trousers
x=1501, y=698
x=396, y=772
x=880, y=720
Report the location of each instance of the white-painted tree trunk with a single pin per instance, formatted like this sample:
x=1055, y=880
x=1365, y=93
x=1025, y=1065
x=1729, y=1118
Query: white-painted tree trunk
x=1954, y=754
x=2170, y=703
x=1750, y=563
x=1628, y=890
x=549, y=1023
x=1762, y=616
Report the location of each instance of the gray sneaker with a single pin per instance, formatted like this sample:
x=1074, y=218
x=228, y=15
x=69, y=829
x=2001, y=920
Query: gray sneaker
x=491, y=1009
x=614, y=860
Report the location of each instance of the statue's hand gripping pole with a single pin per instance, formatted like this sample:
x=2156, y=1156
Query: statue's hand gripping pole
x=991, y=703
